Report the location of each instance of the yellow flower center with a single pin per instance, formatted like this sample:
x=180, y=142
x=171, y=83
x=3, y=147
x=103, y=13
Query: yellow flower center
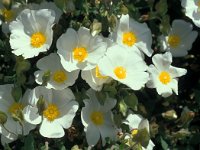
x=98, y=74
x=38, y=39
x=97, y=118
x=59, y=76
x=8, y=15
x=198, y=3
x=134, y=132
x=164, y=77
x=174, y=40
x=15, y=108
x=129, y=38
x=51, y=112
x=80, y=53
x=120, y=72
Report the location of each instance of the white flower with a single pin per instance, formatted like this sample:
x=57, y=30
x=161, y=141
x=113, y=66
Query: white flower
x=47, y=5
x=136, y=123
x=11, y=129
x=32, y=32
x=8, y=15
x=130, y=33
x=97, y=119
x=179, y=39
x=59, y=110
x=127, y=67
x=163, y=76
x=80, y=50
x=59, y=77
x=192, y=9
x=95, y=79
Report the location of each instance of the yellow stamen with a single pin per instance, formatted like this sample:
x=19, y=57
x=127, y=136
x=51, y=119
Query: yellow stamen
x=80, y=54
x=38, y=39
x=8, y=15
x=120, y=72
x=59, y=76
x=134, y=132
x=98, y=74
x=174, y=41
x=164, y=77
x=15, y=108
x=97, y=118
x=129, y=38
x=51, y=112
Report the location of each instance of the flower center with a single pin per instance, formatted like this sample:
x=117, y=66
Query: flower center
x=120, y=72
x=174, y=40
x=80, y=53
x=59, y=76
x=38, y=39
x=129, y=38
x=97, y=118
x=164, y=77
x=134, y=132
x=51, y=112
x=8, y=15
x=15, y=108
x=98, y=74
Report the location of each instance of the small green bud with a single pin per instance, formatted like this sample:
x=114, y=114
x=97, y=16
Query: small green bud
x=3, y=117
x=41, y=105
x=46, y=77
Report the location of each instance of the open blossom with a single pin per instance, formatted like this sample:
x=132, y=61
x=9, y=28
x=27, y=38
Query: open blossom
x=32, y=32
x=97, y=119
x=180, y=38
x=8, y=15
x=59, y=77
x=47, y=5
x=131, y=34
x=95, y=79
x=12, y=128
x=136, y=123
x=192, y=9
x=127, y=67
x=163, y=76
x=80, y=50
x=54, y=109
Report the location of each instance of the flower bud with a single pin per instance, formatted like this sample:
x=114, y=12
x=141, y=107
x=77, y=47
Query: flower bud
x=170, y=114
x=112, y=21
x=3, y=117
x=7, y=3
x=186, y=116
x=96, y=27
x=124, y=9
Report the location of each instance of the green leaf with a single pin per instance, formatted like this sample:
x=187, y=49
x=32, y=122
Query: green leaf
x=29, y=143
x=165, y=25
x=110, y=89
x=16, y=93
x=163, y=143
x=131, y=101
x=101, y=96
x=117, y=119
x=161, y=7
x=22, y=65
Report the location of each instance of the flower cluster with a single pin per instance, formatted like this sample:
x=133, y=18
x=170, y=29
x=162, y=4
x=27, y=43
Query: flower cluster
x=100, y=60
